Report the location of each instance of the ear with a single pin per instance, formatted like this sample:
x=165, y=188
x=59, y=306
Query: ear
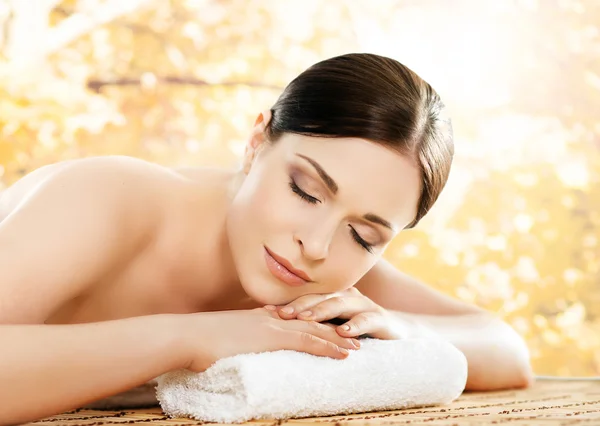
x=257, y=139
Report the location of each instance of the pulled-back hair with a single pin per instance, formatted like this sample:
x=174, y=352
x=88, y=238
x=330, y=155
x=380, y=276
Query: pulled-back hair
x=367, y=96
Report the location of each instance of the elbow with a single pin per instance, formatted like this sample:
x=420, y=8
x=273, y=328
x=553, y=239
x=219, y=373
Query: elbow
x=511, y=377
x=503, y=362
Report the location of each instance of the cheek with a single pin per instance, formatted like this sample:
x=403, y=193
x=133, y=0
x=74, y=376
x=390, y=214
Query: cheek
x=262, y=204
x=346, y=264
x=273, y=208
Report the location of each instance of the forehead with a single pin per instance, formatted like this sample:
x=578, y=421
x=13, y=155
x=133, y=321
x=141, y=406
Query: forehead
x=370, y=177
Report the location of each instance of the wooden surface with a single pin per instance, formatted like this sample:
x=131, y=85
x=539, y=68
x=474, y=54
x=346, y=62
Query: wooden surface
x=555, y=402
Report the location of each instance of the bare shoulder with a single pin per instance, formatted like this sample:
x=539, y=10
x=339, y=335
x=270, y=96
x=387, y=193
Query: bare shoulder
x=78, y=224
x=129, y=176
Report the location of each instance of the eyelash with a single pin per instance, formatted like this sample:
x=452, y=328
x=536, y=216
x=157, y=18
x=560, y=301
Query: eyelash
x=296, y=189
x=312, y=200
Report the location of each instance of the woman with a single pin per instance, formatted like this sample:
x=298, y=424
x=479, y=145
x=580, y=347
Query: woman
x=115, y=270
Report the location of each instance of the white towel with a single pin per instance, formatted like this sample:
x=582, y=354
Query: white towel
x=381, y=375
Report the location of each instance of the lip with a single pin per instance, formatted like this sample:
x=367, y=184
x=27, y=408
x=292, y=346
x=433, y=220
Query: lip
x=283, y=270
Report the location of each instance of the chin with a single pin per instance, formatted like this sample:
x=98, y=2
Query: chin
x=266, y=293
x=265, y=297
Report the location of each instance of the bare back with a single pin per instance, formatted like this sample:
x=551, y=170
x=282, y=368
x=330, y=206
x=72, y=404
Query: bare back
x=11, y=197
x=144, y=283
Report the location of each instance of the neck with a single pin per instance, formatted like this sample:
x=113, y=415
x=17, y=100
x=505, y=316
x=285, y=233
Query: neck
x=220, y=287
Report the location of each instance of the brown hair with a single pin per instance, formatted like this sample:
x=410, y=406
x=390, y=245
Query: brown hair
x=367, y=96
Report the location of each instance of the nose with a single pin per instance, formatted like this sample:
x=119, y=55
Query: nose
x=315, y=239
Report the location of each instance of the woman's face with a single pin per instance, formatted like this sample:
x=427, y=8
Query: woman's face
x=329, y=207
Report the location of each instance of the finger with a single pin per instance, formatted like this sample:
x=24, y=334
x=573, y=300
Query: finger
x=309, y=343
x=352, y=291
x=328, y=333
x=324, y=332
x=269, y=312
x=276, y=312
x=337, y=307
x=372, y=323
x=273, y=311
x=302, y=303
x=330, y=325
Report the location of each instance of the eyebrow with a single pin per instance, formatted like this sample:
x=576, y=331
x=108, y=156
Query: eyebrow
x=333, y=187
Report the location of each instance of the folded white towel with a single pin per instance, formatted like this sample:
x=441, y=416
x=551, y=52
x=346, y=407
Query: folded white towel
x=381, y=375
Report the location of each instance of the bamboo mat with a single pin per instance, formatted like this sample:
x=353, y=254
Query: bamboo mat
x=548, y=402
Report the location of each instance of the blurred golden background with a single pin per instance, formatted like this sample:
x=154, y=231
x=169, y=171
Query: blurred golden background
x=180, y=83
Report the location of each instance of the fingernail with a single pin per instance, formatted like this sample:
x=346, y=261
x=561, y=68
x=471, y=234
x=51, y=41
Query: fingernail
x=287, y=310
x=345, y=327
x=306, y=313
x=356, y=343
x=344, y=351
x=270, y=307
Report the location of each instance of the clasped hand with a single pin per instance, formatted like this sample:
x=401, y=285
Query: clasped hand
x=228, y=333
x=364, y=316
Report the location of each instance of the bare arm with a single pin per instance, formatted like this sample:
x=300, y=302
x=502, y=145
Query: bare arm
x=498, y=357
x=72, y=230
x=386, y=285
x=48, y=369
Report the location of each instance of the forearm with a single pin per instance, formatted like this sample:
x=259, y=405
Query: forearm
x=47, y=369
x=497, y=356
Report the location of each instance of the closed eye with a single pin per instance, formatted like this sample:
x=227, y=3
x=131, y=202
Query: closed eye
x=368, y=247
x=306, y=197
x=312, y=200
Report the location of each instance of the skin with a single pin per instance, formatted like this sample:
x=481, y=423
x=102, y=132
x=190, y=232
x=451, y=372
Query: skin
x=318, y=233
x=122, y=246
x=251, y=208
